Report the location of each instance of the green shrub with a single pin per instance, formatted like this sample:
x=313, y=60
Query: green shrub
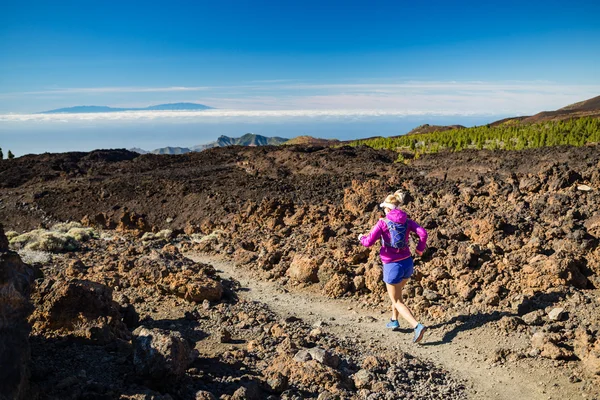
x=53, y=241
x=82, y=234
x=42, y=240
x=164, y=234
x=65, y=226
x=148, y=236
x=11, y=234
x=508, y=136
x=199, y=238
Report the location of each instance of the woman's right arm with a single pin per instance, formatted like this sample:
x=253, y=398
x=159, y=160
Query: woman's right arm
x=373, y=236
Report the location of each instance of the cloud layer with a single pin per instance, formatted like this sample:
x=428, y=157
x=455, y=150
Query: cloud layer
x=294, y=99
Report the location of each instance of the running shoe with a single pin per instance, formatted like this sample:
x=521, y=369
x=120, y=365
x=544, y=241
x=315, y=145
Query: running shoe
x=393, y=324
x=419, y=332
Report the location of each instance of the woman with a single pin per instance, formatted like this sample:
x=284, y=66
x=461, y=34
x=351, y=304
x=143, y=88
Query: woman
x=394, y=231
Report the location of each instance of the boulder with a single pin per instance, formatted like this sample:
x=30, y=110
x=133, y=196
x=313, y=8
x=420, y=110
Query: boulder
x=80, y=308
x=374, y=280
x=193, y=287
x=359, y=282
x=303, y=375
x=587, y=348
x=304, y=268
x=160, y=354
x=16, y=278
x=337, y=286
x=546, y=344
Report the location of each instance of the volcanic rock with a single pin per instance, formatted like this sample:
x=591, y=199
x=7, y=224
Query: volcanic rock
x=304, y=268
x=587, y=348
x=79, y=307
x=362, y=379
x=324, y=357
x=160, y=354
x=16, y=278
x=556, y=314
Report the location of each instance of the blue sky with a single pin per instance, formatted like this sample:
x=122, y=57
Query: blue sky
x=233, y=53
x=459, y=58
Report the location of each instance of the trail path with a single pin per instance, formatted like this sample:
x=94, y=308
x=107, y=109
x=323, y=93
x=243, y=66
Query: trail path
x=463, y=352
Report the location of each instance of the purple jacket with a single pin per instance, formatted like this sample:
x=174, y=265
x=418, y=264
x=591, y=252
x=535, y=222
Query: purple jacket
x=380, y=230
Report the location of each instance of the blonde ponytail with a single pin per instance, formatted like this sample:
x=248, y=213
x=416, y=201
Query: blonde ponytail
x=394, y=201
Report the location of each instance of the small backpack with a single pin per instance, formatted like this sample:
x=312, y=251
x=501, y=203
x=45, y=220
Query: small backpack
x=397, y=234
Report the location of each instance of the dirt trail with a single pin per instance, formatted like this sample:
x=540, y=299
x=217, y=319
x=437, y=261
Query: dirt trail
x=464, y=352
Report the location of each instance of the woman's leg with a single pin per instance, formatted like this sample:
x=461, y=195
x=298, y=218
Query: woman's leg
x=395, y=293
x=394, y=312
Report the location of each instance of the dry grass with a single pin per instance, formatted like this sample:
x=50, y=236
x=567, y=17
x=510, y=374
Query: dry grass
x=35, y=256
x=65, y=227
x=165, y=234
x=11, y=235
x=82, y=234
x=61, y=238
x=199, y=238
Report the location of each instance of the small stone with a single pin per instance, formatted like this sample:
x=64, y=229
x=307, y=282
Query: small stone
x=324, y=357
x=204, y=395
x=224, y=335
x=430, y=295
x=278, y=382
x=362, y=379
x=584, y=188
x=534, y=318
x=302, y=356
x=556, y=314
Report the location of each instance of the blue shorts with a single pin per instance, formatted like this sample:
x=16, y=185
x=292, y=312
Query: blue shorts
x=397, y=271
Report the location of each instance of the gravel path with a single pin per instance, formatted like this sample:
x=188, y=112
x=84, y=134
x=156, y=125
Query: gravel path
x=468, y=350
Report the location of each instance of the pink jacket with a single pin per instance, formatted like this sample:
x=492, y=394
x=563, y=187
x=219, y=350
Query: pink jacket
x=380, y=230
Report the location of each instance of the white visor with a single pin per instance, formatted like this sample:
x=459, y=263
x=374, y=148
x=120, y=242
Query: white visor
x=387, y=205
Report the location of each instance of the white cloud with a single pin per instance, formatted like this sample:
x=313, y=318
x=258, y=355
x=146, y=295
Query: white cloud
x=217, y=115
x=281, y=98
x=117, y=89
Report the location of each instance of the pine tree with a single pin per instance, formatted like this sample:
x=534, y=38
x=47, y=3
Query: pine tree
x=10, y=155
x=1, y=154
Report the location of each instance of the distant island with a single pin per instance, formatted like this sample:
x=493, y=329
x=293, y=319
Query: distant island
x=249, y=139
x=105, y=109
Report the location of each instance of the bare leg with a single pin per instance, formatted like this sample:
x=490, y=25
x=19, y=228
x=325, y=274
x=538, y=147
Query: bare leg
x=395, y=293
x=394, y=312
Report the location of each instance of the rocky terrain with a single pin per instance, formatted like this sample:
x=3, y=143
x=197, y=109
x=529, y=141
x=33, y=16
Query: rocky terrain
x=513, y=248
x=122, y=318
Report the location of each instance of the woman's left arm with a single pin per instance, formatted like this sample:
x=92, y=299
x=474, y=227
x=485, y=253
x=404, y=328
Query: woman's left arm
x=421, y=232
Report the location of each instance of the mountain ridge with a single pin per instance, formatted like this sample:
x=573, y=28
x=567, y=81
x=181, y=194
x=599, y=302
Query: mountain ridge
x=249, y=139
x=102, y=109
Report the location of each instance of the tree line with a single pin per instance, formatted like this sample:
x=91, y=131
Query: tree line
x=507, y=136
x=10, y=155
